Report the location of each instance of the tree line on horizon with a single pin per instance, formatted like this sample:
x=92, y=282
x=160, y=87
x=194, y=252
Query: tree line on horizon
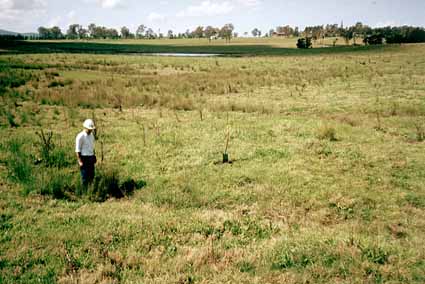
x=359, y=31
x=76, y=31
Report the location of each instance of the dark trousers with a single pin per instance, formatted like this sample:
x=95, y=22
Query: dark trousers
x=87, y=170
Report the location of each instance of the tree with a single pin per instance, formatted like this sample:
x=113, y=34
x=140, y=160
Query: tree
x=296, y=32
x=373, y=39
x=285, y=30
x=331, y=30
x=170, y=34
x=304, y=42
x=99, y=32
x=255, y=32
x=82, y=33
x=198, y=32
x=73, y=31
x=347, y=34
x=50, y=33
x=125, y=32
x=92, y=30
x=187, y=34
x=210, y=32
x=56, y=32
x=44, y=33
x=227, y=31
x=111, y=33
x=140, y=31
x=150, y=34
x=357, y=30
x=416, y=35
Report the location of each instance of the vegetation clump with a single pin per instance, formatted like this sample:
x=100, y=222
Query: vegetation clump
x=108, y=184
x=327, y=132
x=304, y=43
x=56, y=178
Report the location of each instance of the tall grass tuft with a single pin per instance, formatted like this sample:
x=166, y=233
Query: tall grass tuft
x=420, y=132
x=11, y=120
x=58, y=184
x=109, y=184
x=327, y=132
x=20, y=169
x=51, y=154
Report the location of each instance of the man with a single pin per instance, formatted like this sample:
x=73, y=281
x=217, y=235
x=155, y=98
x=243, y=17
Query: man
x=84, y=148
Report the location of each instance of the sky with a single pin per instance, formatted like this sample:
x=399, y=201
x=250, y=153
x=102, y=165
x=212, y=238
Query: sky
x=163, y=15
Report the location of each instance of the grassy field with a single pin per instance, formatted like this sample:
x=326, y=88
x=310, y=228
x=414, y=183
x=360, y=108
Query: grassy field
x=236, y=48
x=326, y=183
x=280, y=42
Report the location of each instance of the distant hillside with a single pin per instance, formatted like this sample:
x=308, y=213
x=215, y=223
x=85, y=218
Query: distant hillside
x=4, y=32
x=9, y=33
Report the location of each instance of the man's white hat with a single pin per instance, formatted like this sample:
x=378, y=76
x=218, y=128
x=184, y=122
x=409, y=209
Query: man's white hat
x=89, y=124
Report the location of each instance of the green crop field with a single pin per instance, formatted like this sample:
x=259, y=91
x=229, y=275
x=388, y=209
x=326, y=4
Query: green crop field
x=325, y=185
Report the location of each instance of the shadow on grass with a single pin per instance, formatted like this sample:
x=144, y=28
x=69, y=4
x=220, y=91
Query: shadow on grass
x=19, y=47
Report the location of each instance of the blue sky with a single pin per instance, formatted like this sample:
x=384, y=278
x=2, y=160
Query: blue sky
x=28, y=15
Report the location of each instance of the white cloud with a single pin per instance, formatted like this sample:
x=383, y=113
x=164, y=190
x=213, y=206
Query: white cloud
x=207, y=8
x=71, y=18
x=22, y=5
x=107, y=4
x=71, y=15
x=14, y=9
x=249, y=3
x=155, y=17
x=110, y=4
x=387, y=24
x=54, y=21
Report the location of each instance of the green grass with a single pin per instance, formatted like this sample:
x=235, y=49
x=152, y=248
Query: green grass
x=325, y=185
x=238, y=47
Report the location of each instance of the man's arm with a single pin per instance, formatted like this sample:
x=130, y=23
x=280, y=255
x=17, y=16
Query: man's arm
x=78, y=149
x=80, y=162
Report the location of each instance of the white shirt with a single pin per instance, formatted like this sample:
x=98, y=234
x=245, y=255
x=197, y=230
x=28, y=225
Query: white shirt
x=84, y=144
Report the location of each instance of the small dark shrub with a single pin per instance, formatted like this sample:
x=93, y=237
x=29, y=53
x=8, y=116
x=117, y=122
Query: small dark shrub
x=5, y=223
x=374, y=39
x=45, y=101
x=376, y=255
x=246, y=267
x=54, y=84
x=284, y=261
x=140, y=184
x=128, y=186
x=88, y=105
x=11, y=120
x=304, y=43
x=59, y=83
x=107, y=184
